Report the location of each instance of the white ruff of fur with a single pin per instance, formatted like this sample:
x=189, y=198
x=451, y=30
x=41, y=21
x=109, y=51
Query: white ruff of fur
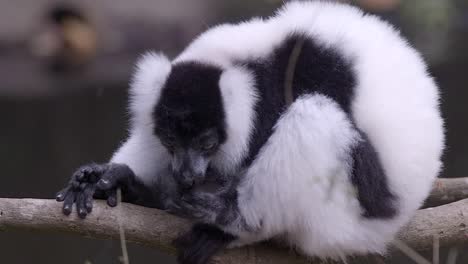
x=143, y=152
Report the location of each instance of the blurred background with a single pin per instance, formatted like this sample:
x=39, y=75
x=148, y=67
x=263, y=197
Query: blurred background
x=64, y=73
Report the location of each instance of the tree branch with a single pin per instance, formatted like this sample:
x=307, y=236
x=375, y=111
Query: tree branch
x=447, y=222
x=446, y=191
x=157, y=229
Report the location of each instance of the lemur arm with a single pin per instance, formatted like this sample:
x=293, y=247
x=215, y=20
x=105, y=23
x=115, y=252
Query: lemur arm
x=139, y=168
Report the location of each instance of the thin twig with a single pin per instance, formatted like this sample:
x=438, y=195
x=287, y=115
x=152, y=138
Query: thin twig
x=435, y=250
x=452, y=256
x=123, y=241
x=411, y=253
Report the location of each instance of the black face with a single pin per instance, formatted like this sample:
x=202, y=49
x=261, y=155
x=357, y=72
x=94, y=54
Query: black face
x=189, y=120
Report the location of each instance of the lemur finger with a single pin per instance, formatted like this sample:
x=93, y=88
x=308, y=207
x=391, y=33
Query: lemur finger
x=82, y=173
x=89, y=169
x=68, y=202
x=112, y=197
x=88, y=173
x=60, y=196
x=94, y=171
x=114, y=176
x=108, y=181
x=105, y=184
x=88, y=193
x=79, y=176
x=99, y=169
x=74, y=183
x=80, y=205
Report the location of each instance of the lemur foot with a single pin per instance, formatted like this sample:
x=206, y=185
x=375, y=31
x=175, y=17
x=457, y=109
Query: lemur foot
x=93, y=181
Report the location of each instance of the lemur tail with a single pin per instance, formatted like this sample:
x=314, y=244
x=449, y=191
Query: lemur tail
x=201, y=243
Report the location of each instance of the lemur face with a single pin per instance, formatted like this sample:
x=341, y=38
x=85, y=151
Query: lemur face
x=189, y=120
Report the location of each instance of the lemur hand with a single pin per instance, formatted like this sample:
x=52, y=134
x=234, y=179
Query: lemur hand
x=199, y=204
x=93, y=181
x=203, y=207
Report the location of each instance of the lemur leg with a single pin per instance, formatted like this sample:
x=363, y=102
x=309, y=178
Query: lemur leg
x=139, y=168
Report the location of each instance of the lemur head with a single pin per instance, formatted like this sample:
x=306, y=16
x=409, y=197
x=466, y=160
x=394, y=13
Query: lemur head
x=202, y=114
x=189, y=119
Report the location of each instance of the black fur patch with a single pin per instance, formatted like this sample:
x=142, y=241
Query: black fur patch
x=190, y=104
x=318, y=70
x=369, y=178
x=321, y=70
x=201, y=243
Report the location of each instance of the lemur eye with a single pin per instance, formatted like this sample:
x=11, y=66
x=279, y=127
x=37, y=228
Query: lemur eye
x=168, y=144
x=209, y=145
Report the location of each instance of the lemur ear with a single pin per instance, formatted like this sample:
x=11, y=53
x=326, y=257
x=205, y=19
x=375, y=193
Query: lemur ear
x=151, y=71
x=150, y=75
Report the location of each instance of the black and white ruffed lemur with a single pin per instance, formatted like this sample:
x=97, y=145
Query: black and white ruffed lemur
x=335, y=170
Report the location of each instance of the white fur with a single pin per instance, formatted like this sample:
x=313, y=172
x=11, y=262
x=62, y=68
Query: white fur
x=143, y=152
x=299, y=186
x=396, y=105
x=225, y=43
x=152, y=70
x=239, y=98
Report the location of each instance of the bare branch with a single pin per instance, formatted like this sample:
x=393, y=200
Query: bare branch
x=157, y=229
x=446, y=191
x=448, y=222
